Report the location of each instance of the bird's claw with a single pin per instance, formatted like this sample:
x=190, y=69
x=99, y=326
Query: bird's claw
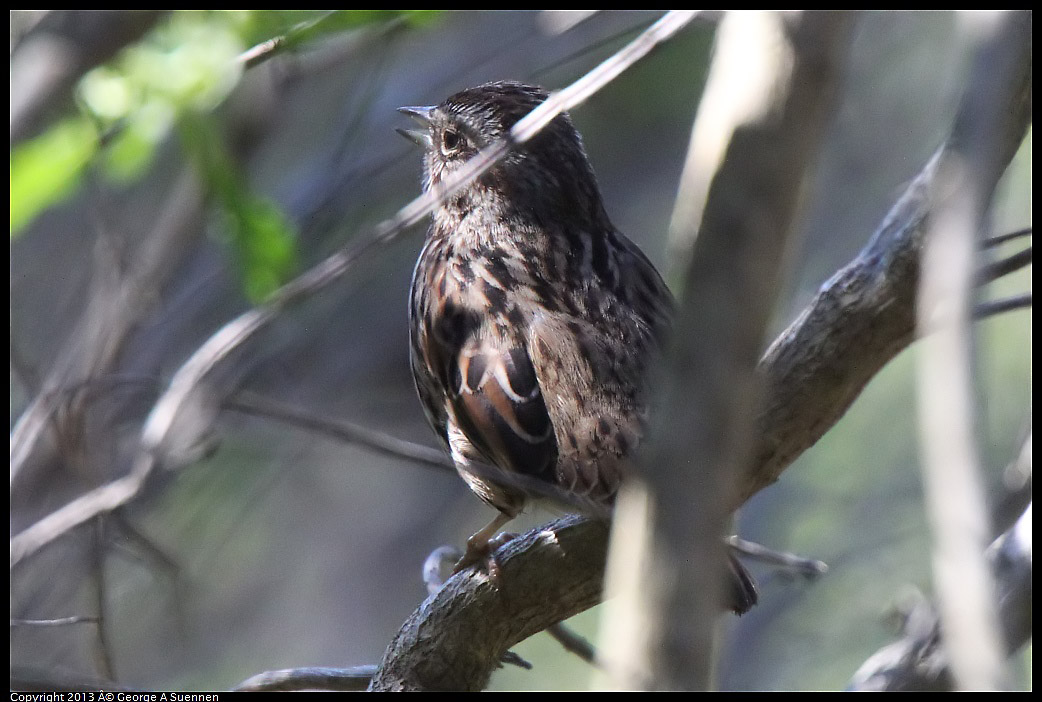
x=482, y=555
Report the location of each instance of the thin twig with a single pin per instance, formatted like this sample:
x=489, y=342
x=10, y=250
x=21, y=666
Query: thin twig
x=272, y=47
x=152, y=552
x=81, y=510
x=117, y=301
x=573, y=643
x=577, y=93
x=103, y=651
x=1003, y=238
x=996, y=269
x=993, y=307
x=809, y=568
x=60, y=621
x=512, y=658
x=252, y=404
x=143, y=549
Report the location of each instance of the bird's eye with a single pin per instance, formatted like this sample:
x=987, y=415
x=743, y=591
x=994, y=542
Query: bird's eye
x=451, y=141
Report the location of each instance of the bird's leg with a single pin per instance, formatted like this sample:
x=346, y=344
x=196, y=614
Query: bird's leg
x=481, y=545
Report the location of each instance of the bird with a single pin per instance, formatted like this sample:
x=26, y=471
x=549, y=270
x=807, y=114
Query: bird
x=533, y=320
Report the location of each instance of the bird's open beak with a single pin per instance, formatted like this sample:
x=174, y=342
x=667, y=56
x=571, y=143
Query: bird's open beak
x=422, y=115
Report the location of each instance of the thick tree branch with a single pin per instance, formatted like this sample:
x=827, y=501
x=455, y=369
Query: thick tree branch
x=456, y=638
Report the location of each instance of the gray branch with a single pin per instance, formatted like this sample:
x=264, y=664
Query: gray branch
x=456, y=638
x=297, y=679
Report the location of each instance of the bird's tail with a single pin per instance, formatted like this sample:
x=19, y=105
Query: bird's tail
x=741, y=590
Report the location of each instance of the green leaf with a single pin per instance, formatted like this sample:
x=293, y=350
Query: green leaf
x=299, y=27
x=262, y=238
x=265, y=241
x=46, y=170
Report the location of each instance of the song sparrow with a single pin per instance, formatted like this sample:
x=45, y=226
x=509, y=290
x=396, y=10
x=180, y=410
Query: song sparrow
x=533, y=320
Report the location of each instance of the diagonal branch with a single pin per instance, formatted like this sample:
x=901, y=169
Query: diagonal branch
x=996, y=269
x=456, y=638
x=253, y=404
x=296, y=679
x=860, y=319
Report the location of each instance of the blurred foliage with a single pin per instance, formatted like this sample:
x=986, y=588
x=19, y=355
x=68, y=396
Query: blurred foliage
x=179, y=73
x=258, y=232
x=46, y=169
x=127, y=107
x=299, y=27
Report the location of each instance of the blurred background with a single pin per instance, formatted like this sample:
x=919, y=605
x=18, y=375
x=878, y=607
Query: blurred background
x=161, y=190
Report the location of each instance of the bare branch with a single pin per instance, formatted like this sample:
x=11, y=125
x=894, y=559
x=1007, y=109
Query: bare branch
x=809, y=568
x=81, y=510
x=428, y=653
x=61, y=621
x=250, y=403
x=118, y=298
x=437, y=568
x=103, y=647
x=573, y=643
x=994, y=241
x=1006, y=304
x=296, y=679
x=272, y=47
x=997, y=269
x=862, y=317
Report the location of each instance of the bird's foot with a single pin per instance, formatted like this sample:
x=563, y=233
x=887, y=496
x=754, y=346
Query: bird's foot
x=481, y=553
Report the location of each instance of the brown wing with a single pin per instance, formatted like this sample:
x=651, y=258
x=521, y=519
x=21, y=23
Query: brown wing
x=497, y=402
x=477, y=383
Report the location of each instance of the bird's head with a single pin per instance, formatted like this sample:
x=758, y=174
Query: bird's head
x=548, y=171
